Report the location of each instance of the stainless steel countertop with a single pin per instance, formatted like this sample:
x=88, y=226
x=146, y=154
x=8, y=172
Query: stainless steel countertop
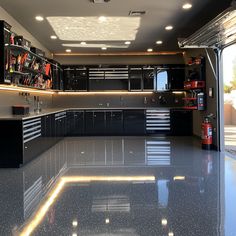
x=57, y=110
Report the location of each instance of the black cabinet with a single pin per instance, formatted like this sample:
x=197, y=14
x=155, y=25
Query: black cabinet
x=181, y=122
x=114, y=122
x=48, y=138
x=75, y=123
x=135, y=78
x=148, y=78
x=177, y=77
x=95, y=122
x=134, y=122
x=89, y=127
x=60, y=125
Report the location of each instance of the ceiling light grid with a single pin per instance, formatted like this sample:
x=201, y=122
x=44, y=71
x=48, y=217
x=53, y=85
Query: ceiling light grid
x=91, y=29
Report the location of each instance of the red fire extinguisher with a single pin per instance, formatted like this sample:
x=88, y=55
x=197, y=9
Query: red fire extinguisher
x=206, y=134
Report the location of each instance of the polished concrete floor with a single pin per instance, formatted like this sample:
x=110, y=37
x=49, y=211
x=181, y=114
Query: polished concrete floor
x=121, y=186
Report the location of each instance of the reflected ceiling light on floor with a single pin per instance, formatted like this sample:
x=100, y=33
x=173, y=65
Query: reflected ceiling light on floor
x=169, y=27
x=68, y=50
x=159, y=42
x=75, y=223
x=164, y=222
x=127, y=42
x=187, y=6
x=107, y=221
x=87, y=28
x=170, y=234
x=179, y=178
x=53, y=37
x=39, y=18
x=149, y=50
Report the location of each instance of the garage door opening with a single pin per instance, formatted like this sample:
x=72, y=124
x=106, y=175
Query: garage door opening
x=229, y=77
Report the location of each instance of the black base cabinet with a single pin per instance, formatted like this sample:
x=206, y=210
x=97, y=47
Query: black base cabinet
x=114, y=122
x=181, y=122
x=134, y=122
x=74, y=123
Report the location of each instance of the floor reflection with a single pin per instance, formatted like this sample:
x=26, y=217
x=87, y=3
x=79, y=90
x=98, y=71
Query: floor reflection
x=115, y=186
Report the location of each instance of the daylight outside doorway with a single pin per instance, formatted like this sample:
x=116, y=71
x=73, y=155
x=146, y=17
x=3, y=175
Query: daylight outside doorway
x=229, y=76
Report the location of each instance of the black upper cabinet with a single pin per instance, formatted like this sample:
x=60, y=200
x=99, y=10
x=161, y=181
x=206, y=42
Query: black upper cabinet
x=5, y=58
x=75, y=78
x=177, y=77
x=148, y=78
x=135, y=78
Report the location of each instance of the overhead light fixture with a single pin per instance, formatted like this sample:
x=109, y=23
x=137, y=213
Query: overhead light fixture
x=127, y=42
x=102, y=18
x=104, y=48
x=100, y=1
x=87, y=29
x=137, y=13
x=159, y=42
x=164, y=222
x=187, y=6
x=83, y=43
x=53, y=37
x=149, y=49
x=68, y=50
x=75, y=223
x=94, y=45
x=169, y=27
x=39, y=18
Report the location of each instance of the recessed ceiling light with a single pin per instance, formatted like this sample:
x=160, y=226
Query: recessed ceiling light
x=83, y=43
x=102, y=18
x=127, y=42
x=107, y=221
x=74, y=234
x=169, y=27
x=159, y=42
x=53, y=37
x=39, y=18
x=104, y=48
x=170, y=234
x=68, y=50
x=187, y=6
x=149, y=49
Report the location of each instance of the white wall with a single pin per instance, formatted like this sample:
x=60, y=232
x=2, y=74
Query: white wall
x=20, y=30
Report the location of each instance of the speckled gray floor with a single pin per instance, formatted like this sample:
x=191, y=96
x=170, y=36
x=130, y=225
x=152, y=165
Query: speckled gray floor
x=174, y=188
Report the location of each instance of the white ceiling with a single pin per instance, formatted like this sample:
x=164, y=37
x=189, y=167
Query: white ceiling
x=142, y=32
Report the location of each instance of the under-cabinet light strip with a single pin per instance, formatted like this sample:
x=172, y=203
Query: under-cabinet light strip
x=19, y=89
x=103, y=92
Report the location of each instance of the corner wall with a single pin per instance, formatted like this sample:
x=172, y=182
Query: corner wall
x=20, y=30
